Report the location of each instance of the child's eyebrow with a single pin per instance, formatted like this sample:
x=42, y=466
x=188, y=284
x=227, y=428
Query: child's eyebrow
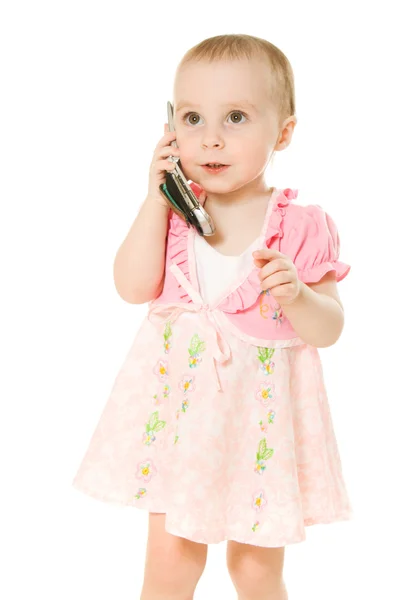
x=185, y=104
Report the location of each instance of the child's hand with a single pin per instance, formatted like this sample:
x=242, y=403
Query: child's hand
x=278, y=274
x=160, y=164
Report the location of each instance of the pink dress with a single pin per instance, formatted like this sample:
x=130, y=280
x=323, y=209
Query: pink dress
x=231, y=439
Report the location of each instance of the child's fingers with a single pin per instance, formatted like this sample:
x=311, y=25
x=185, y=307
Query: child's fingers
x=260, y=262
x=268, y=253
x=202, y=196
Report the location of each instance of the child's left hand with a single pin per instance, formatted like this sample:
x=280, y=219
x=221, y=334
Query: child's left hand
x=278, y=274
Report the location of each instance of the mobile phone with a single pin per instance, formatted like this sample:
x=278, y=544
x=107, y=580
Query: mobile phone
x=180, y=195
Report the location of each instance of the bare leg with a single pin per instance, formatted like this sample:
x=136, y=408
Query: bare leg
x=256, y=573
x=173, y=565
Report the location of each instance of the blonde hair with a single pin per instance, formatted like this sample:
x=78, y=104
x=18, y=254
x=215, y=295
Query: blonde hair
x=239, y=46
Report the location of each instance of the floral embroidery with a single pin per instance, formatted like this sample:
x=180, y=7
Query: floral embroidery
x=166, y=392
x=265, y=307
x=264, y=393
x=263, y=454
x=256, y=526
x=167, y=335
x=270, y=417
x=196, y=346
x=161, y=370
x=259, y=500
x=152, y=427
x=148, y=438
x=146, y=470
x=278, y=315
x=187, y=384
x=264, y=356
x=141, y=492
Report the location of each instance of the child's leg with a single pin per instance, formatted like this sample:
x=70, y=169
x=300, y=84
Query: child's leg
x=256, y=573
x=174, y=565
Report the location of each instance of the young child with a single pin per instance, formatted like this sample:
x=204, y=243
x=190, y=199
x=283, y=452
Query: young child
x=218, y=422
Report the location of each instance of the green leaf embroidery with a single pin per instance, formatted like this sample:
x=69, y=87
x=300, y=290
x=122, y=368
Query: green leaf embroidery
x=262, y=446
x=154, y=423
x=160, y=425
x=265, y=353
x=153, y=420
x=264, y=453
x=167, y=331
x=196, y=345
x=269, y=453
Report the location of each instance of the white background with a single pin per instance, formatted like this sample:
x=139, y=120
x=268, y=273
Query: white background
x=84, y=87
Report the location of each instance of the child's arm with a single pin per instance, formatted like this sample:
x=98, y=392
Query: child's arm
x=314, y=310
x=139, y=264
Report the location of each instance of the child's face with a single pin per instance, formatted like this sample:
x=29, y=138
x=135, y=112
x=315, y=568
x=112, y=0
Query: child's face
x=214, y=123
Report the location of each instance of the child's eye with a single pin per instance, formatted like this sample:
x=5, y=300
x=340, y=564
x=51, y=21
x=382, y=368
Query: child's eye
x=236, y=112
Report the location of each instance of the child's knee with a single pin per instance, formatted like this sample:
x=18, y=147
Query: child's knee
x=178, y=567
x=173, y=564
x=253, y=569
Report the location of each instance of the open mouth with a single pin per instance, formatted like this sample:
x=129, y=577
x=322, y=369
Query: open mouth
x=215, y=167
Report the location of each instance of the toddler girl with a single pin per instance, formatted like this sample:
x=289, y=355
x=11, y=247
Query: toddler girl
x=218, y=423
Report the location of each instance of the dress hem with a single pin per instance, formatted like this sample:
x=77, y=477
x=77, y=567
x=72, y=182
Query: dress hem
x=347, y=515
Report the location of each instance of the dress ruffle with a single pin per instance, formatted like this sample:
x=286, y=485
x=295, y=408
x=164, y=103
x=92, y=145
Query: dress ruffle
x=314, y=274
x=279, y=211
x=178, y=249
x=178, y=244
x=244, y=295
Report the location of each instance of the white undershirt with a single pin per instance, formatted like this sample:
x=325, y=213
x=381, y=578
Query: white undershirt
x=216, y=272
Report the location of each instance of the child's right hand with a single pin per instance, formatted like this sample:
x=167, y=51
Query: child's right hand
x=160, y=164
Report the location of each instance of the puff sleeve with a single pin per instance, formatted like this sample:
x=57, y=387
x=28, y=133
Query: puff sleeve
x=311, y=239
